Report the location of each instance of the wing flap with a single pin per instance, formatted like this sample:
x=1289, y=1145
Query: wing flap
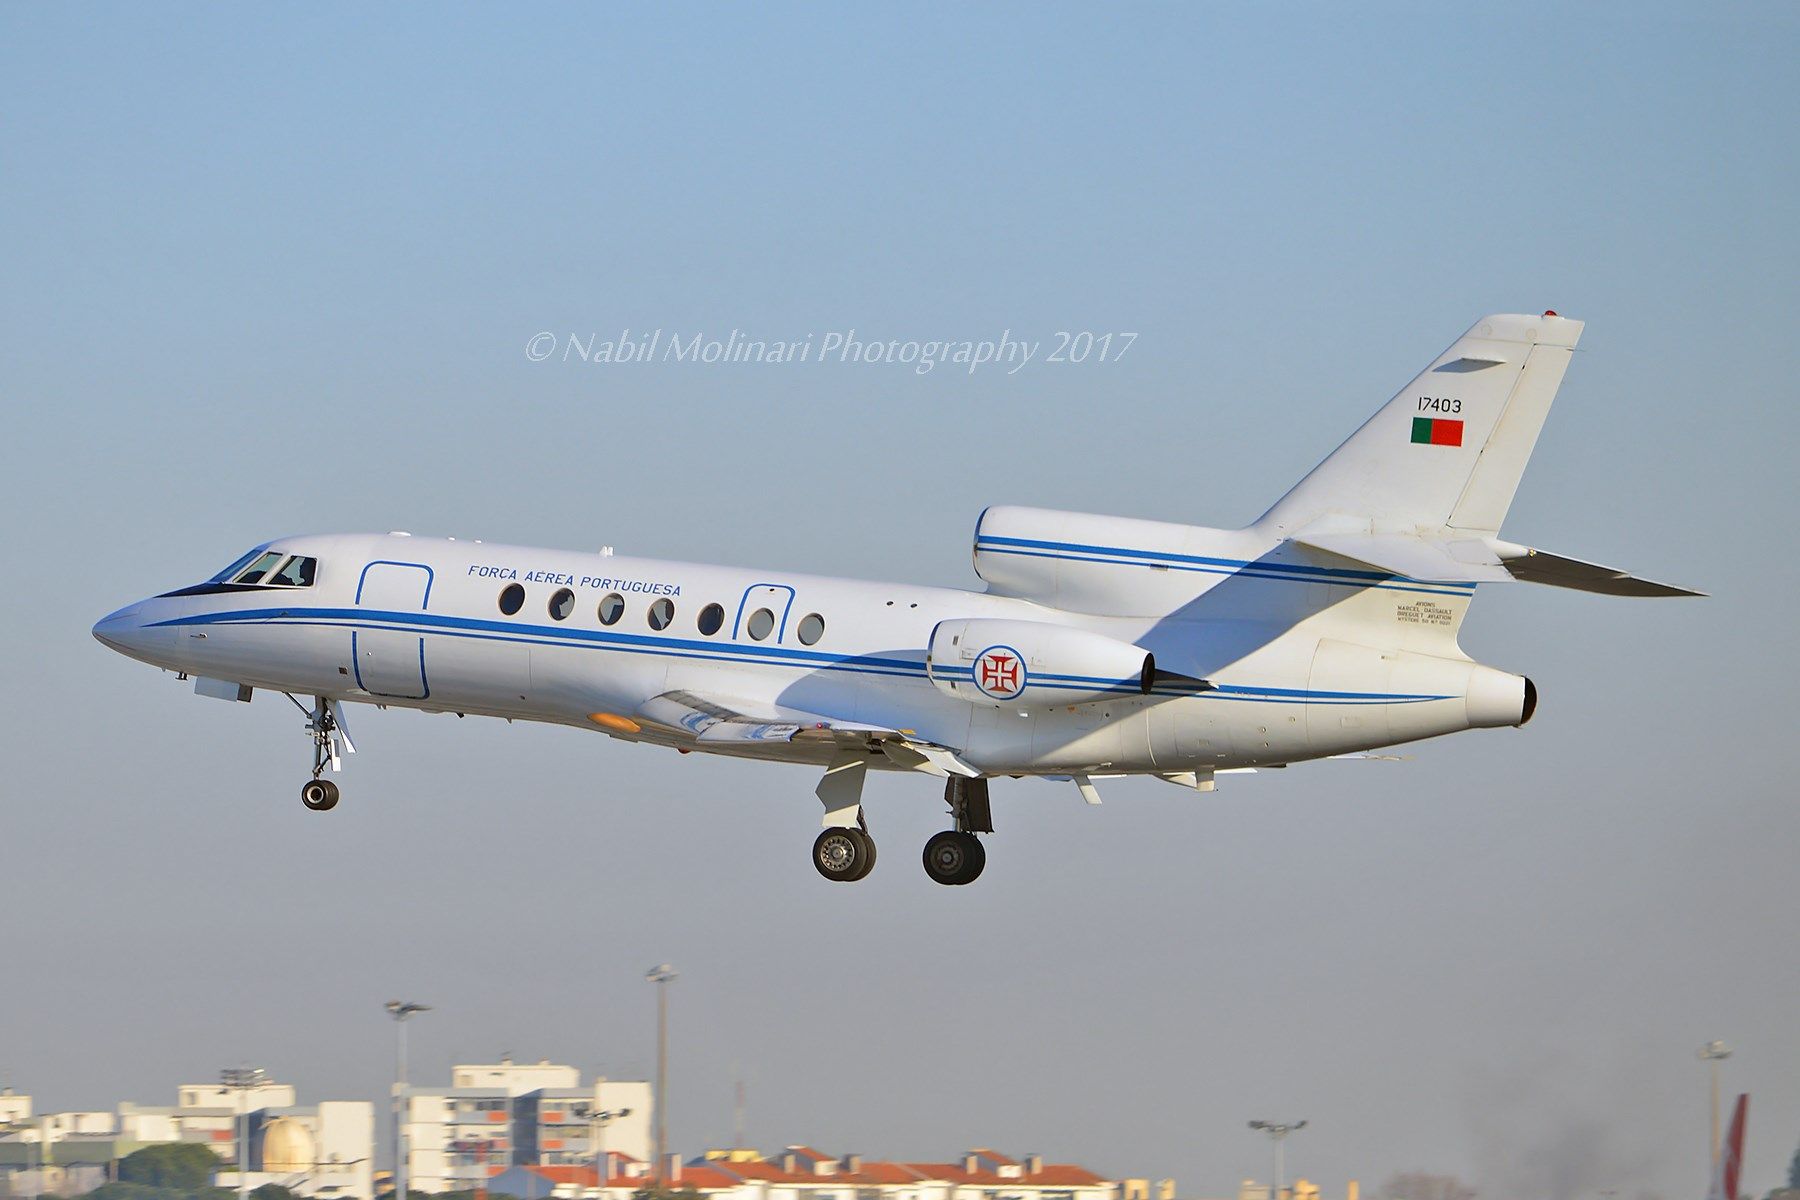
x=713, y=719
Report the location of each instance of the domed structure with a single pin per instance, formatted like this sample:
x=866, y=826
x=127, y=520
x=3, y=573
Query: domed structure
x=288, y=1147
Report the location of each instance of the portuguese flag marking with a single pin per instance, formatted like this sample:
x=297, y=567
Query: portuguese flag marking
x=1435, y=431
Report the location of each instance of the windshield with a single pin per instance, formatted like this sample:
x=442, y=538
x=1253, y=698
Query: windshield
x=268, y=568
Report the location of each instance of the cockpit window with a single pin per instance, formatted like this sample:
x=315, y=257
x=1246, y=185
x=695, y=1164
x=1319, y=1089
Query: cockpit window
x=231, y=572
x=295, y=572
x=262, y=566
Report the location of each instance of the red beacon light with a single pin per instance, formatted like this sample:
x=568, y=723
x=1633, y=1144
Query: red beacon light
x=1549, y=312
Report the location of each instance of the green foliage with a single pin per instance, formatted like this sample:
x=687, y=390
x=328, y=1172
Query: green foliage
x=144, y=1191
x=185, y=1166
x=274, y=1191
x=661, y=1191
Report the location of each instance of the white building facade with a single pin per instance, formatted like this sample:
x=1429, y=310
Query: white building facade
x=495, y=1116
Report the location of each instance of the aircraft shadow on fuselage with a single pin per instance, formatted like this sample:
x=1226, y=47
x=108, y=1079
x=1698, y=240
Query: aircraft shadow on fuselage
x=1248, y=610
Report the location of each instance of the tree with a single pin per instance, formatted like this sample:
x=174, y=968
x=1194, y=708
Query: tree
x=1794, y=1170
x=660, y=1191
x=272, y=1191
x=1417, y=1185
x=187, y=1166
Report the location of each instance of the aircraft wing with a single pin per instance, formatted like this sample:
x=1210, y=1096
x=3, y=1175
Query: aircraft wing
x=1481, y=560
x=716, y=719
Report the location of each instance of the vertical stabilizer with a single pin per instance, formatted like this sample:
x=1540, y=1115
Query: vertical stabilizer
x=1448, y=451
x=1731, y=1156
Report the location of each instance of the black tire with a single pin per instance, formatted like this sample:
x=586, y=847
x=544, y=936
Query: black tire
x=868, y=844
x=953, y=858
x=320, y=795
x=843, y=854
x=977, y=860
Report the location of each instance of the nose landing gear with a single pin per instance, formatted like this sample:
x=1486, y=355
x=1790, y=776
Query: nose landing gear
x=319, y=794
x=331, y=740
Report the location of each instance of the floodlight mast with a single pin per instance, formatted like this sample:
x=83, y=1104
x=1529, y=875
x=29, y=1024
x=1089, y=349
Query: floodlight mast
x=1714, y=1053
x=662, y=975
x=1277, y=1132
x=400, y=1010
x=242, y=1080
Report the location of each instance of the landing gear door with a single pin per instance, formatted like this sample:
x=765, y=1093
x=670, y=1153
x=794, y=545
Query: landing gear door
x=389, y=656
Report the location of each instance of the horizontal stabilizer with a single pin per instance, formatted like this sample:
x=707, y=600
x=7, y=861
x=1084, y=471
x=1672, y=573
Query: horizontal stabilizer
x=1539, y=566
x=1429, y=560
x=1451, y=559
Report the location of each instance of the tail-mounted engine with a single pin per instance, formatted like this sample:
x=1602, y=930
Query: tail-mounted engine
x=1032, y=663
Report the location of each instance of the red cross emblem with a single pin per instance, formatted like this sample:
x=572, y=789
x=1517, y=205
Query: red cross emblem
x=999, y=673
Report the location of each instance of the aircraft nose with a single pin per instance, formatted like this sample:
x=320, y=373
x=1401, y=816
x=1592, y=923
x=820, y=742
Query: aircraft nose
x=123, y=630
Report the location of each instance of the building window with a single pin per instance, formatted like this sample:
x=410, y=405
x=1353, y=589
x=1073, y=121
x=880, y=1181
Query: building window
x=761, y=624
x=562, y=604
x=512, y=598
x=711, y=618
x=811, y=629
x=661, y=613
x=612, y=608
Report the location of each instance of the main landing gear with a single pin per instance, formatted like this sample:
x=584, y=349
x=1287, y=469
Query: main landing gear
x=844, y=852
x=955, y=856
x=331, y=740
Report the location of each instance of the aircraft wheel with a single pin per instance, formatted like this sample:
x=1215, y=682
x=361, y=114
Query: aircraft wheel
x=953, y=858
x=843, y=855
x=319, y=794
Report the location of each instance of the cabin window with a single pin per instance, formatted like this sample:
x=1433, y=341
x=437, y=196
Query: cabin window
x=512, y=598
x=295, y=572
x=661, y=613
x=761, y=624
x=811, y=628
x=562, y=604
x=612, y=608
x=711, y=618
x=262, y=566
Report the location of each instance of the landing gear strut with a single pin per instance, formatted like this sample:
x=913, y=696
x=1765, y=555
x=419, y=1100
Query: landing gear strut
x=325, y=722
x=955, y=856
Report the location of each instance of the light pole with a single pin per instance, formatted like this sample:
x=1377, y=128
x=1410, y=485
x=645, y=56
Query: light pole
x=1277, y=1134
x=1714, y=1053
x=400, y=1010
x=600, y=1117
x=243, y=1079
x=662, y=976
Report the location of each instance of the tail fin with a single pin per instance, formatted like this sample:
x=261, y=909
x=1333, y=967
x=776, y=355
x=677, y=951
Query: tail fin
x=1731, y=1156
x=1448, y=451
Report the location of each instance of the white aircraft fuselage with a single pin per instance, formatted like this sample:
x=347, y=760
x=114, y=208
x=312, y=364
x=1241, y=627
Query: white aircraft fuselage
x=1100, y=646
x=417, y=622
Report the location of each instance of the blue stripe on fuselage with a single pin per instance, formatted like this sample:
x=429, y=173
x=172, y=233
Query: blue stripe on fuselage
x=1119, y=556
x=668, y=647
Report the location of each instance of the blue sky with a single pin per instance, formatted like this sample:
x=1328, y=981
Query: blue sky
x=275, y=270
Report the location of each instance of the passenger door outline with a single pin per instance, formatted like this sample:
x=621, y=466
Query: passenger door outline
x=761, y=595
x=391, y=662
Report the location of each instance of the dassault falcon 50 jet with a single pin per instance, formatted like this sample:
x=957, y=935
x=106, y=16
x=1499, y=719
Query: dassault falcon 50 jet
x=1101, y=646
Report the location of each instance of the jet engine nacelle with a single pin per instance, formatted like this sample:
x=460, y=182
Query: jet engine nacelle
x=1031, y=663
